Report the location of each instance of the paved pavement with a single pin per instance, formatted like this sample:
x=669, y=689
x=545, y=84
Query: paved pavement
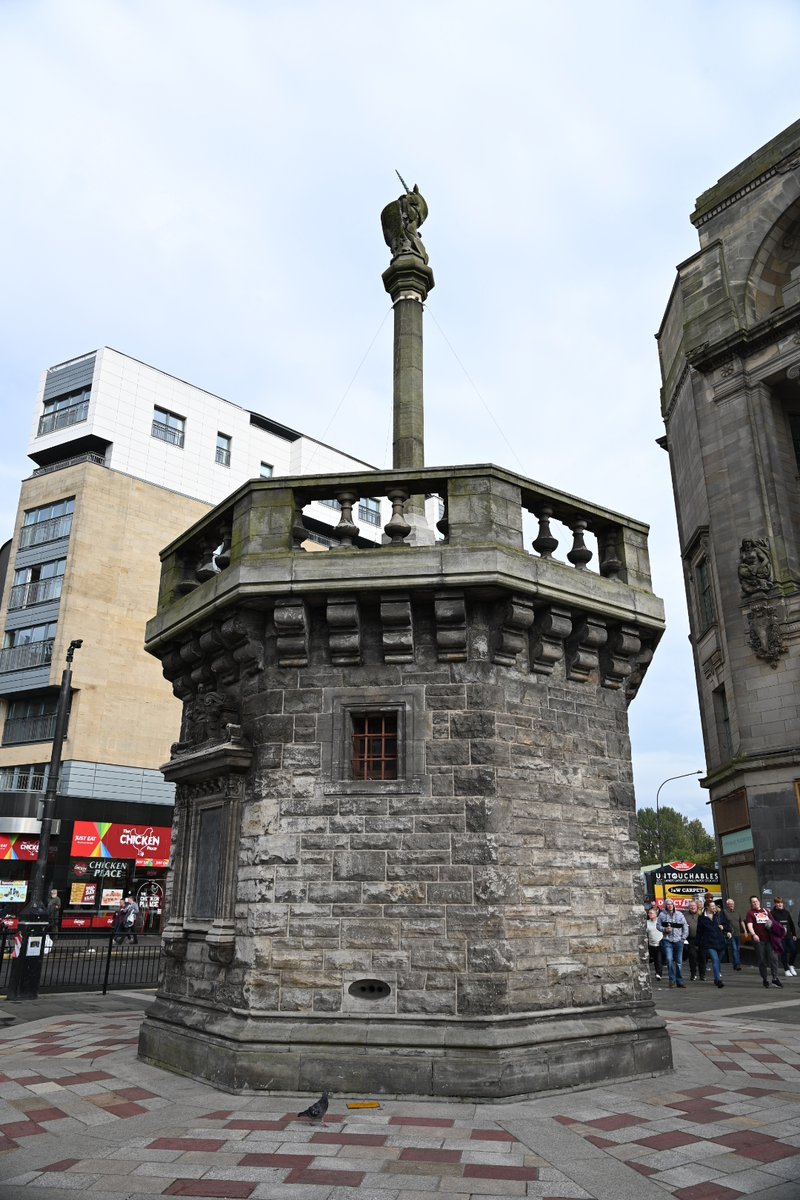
x=79, y=1113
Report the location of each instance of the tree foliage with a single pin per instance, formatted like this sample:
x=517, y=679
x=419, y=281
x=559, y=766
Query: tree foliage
x=681, y=839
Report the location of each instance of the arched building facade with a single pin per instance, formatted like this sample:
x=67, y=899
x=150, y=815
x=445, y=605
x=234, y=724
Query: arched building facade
x=729, y=346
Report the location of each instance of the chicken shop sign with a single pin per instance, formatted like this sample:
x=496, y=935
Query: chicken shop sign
x=149, y=845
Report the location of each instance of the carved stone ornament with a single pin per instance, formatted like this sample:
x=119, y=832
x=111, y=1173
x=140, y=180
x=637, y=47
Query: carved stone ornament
x=764, y=634
x=755, y=566
x=582, y=648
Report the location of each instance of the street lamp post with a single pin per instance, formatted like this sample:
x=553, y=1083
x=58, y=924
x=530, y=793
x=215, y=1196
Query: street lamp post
x=658, y=828
x=26, y=968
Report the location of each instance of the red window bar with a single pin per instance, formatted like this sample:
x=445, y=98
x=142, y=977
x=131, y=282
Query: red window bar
x=375, y=746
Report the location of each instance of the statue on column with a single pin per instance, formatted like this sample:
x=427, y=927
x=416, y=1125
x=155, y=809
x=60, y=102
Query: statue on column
x=401, y=220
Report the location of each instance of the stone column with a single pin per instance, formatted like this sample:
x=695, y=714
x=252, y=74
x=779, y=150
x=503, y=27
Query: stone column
x=408, y=279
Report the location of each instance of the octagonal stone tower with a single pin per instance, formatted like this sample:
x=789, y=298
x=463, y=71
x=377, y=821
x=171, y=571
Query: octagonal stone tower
x=405, y=853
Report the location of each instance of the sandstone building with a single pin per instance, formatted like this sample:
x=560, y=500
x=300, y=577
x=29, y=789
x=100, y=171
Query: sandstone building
x=125, y=457
x=729, y=347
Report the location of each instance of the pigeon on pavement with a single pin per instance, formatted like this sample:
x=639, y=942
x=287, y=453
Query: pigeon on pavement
x=317, y=1110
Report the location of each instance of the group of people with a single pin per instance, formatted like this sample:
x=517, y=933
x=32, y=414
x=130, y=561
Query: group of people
x=710, y=931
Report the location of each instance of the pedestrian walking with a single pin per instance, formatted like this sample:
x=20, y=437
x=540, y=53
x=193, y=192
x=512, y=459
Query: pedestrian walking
x=734, y=950
x=759, y=925
x=130, y=919
x=675, y=930
x=654, y=936
x=781, y=914
x=697, y=958
x=713, y=930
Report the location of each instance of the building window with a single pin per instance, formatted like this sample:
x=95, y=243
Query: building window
x=29, y=778
x=374, y=745
x=47, y=523
x=168, y=426
x=223, y=454
x=705, y=594
x=266, y=470
x=64, y=410
x=32, y=719
x=369, y=511
x=29, y=647
x=723, y=722
x=37, y=584
x=331, y=504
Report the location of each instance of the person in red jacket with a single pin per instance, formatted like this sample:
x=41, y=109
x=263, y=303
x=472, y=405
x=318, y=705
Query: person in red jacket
x=758, y=923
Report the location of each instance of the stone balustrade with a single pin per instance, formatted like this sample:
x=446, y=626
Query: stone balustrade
x=484, y=506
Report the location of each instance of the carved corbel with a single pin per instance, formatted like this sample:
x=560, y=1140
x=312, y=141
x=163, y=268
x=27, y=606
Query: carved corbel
x=243, y=635
x=618, y=655
x=450, y=611
x=397, y=629
x=291, y=629
x=344, y=630
x=551, y=628
x=634, y=680
x=582, y=648
x=764, y=634
x=517, y=620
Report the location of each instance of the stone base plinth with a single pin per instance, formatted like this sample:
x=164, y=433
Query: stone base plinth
x=486, y=1059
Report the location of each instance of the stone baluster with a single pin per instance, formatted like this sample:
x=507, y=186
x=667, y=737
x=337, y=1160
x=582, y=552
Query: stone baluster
x=580, y=555
x=299, y=531
x=610, y=562
x=545, y=544
x=397, y=527
x=206, y=566
x=443, y=524
x=223, y=555
x=346, y=530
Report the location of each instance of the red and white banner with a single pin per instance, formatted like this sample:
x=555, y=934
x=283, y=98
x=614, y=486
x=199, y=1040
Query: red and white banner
x=149, y=845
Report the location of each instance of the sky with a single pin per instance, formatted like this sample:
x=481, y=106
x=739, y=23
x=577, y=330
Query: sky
x=198, y=184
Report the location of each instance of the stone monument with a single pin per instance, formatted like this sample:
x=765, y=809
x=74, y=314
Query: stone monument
x=405, y=855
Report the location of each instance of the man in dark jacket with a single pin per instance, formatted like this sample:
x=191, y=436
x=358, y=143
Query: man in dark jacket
x=697, y=959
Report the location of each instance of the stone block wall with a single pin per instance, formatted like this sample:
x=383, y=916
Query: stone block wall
x=495, y=878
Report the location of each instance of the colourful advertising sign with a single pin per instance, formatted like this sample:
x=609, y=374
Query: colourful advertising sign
x=19, y=846
x=685, y=881
x=83, y=893
x=149, y=845
x=13, y=891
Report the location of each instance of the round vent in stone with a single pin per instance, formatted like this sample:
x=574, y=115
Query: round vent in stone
x=369, y=989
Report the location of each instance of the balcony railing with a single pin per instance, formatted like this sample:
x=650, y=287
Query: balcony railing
x=167, y=433
x=63, y=417
x=29, y=729
x=45, y=531
x=22, y=658
x=39, y=591
x=98, y=459
x=223, y=456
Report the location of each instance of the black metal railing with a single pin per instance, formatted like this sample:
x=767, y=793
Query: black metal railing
x=167, y=433
x=59, y=418
x=18, y=730
x=90, y=962
x=25, y=656
x=50, y=530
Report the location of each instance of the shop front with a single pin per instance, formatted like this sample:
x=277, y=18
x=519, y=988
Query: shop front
x=107, y=861
x=18, y=853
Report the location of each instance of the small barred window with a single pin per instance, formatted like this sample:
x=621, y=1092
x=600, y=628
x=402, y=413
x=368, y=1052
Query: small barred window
x=374, y=745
